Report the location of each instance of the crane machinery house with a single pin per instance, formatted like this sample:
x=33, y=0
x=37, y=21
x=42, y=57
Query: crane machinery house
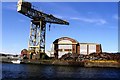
x=66, y=45
x=39, y=19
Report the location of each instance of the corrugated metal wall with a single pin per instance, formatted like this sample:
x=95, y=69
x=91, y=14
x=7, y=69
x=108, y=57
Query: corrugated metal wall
x=83, y=49
x=87, y=48
x=64, y=49
x=92, y=48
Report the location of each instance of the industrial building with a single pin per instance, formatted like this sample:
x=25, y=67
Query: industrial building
x=66, y=45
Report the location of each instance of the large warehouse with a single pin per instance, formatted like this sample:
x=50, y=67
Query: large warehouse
x=66, y=45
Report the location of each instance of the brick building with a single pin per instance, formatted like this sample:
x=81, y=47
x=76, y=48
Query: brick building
x=66, y=45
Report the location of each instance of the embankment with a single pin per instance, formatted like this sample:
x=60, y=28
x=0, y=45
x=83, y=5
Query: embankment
x=54, y=62
x=102, y=63
x=96, y=63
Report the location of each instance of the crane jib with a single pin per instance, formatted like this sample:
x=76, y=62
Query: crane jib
x=26, y=9
x=36, y=44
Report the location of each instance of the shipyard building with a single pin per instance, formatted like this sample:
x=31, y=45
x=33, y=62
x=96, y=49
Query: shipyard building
x=66, y=45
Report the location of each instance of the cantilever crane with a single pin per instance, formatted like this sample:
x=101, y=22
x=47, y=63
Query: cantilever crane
x=36, y=44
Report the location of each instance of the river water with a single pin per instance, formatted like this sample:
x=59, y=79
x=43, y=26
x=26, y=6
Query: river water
x=42, y=72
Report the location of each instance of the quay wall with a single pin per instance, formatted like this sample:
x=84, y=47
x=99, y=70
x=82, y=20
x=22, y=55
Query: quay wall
x=101, y=63
x=96, y=63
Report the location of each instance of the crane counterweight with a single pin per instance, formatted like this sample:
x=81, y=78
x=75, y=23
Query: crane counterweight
x=36, y=44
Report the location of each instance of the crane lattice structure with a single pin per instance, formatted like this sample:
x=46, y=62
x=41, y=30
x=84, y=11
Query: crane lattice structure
x=36, y=44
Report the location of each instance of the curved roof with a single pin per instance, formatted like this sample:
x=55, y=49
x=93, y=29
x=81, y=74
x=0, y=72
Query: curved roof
x=65, y=38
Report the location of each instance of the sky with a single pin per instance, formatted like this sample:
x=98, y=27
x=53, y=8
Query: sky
x=90, y=22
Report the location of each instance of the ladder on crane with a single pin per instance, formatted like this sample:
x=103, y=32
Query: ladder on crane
x=36, y=44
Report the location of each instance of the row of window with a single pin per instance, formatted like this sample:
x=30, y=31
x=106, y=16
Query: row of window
x=64, y=50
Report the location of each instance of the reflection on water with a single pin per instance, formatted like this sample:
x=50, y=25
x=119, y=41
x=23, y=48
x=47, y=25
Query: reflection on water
x=25, y=71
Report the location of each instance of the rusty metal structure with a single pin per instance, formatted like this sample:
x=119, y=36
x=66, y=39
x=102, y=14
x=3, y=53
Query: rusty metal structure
x=36, y=44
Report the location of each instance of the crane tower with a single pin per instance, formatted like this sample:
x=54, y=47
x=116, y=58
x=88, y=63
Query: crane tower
x=36, y=43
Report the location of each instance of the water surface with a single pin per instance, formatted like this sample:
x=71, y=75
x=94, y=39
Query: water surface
x=42, y=72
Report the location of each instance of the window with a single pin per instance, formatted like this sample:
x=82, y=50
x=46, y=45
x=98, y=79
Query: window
x=67, y=49
x=59, y=49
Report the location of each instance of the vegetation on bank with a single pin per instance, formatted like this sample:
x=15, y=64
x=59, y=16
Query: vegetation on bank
x=91, y=60
x=78, y=57
x=93, y=56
